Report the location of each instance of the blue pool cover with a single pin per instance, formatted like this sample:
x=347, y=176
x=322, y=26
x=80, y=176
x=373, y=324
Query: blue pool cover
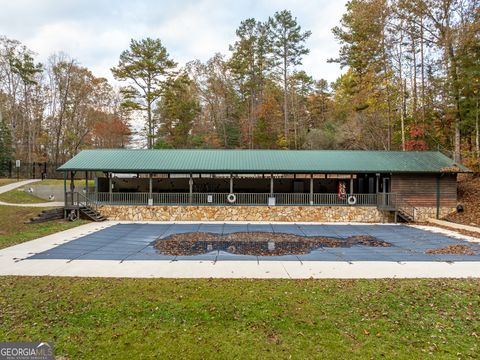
x=127, y=242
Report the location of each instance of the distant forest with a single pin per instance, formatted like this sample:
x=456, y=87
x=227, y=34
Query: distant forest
x=411, y=81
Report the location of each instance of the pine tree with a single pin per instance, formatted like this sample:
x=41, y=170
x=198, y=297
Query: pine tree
x=249, y=64
x=145, y=65
x=288, y=47
x=177, y=110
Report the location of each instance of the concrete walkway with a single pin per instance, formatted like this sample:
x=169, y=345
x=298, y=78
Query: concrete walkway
x=15, y=261
x=453, y=225
x=39, y=205
x=15, y=185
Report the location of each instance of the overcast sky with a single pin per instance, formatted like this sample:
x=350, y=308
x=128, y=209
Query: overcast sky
x=95, y=32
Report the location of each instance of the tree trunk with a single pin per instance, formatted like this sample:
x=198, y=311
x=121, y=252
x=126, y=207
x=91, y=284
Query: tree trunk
x=422, y=62
x=149, y=115
x=149, y=124
x=477, y=132
x=414, y=79
x=251, y=116
x=402, y=94
x=402, y=115
x=285, y=96
x=295, y=119
x=456, y=94
x=387, y=90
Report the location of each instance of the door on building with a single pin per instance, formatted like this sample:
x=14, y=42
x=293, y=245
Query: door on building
x=385, y=189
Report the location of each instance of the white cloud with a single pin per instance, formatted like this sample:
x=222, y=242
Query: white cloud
x=95, y=32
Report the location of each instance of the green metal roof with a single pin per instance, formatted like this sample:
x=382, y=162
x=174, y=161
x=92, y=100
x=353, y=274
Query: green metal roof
x=259, y=161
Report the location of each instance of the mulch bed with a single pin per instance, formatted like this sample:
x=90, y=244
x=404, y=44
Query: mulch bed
x=256, y=243
x=452, y=249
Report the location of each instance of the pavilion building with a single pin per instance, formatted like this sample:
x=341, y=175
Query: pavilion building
x=266, y=185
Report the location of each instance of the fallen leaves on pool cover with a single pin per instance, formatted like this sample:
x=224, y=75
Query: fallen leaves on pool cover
x=256, y=243
x=452, y=249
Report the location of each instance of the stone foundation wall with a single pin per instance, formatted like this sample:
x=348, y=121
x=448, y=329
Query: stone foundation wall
x=246, y=213
x=425, y=213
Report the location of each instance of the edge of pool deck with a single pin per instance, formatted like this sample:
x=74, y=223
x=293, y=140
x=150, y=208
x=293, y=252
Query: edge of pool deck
x=13, y=262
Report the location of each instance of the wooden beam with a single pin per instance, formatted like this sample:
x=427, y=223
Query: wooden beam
x=110, y=187
x=438, y=197
x=311, y=189
x=190, y=186
x=72, y=181
x=150, y=185
x=65, y=191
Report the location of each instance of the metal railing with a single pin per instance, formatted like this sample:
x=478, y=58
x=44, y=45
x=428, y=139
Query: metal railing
x=387, y=201
x=78, y=200
x=241, y=199
x=407, y=208
x=394, y=202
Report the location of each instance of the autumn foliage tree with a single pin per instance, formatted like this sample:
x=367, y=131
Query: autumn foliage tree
x=410, y=81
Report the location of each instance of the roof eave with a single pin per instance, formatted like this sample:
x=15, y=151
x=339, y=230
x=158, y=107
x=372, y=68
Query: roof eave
x=237, y=171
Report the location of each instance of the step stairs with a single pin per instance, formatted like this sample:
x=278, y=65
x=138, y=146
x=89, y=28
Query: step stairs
x=91, y=214
x=47, y=215
x=405, y=216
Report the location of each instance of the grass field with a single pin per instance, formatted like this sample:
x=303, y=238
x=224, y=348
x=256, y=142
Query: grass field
x=13, y=230
x=19, y=196
x=234, y=319
x=78, y=182
x=238, y=319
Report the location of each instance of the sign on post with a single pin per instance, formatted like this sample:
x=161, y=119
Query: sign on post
x=17, y=165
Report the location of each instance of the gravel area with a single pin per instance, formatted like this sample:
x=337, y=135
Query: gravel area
x=257, y=243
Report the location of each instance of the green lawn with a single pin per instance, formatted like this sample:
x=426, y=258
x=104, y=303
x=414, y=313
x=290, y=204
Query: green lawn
x=238, y=319
x=19, y=196
x=13, y=230
x=78, y=182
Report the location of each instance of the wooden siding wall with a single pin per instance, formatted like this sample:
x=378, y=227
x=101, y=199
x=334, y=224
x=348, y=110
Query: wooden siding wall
x=421, y=189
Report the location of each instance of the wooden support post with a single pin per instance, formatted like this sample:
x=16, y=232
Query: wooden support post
x=110, y=187
x=190, y=185
x=231, y=184
x=86, y=183
x=150, y=186
x=438, y=197
x=351, y=184
x=72, y=190
x=311, y=189
x=95, y=187
x=65, y=194
x=271, y=185
x=72, y=181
